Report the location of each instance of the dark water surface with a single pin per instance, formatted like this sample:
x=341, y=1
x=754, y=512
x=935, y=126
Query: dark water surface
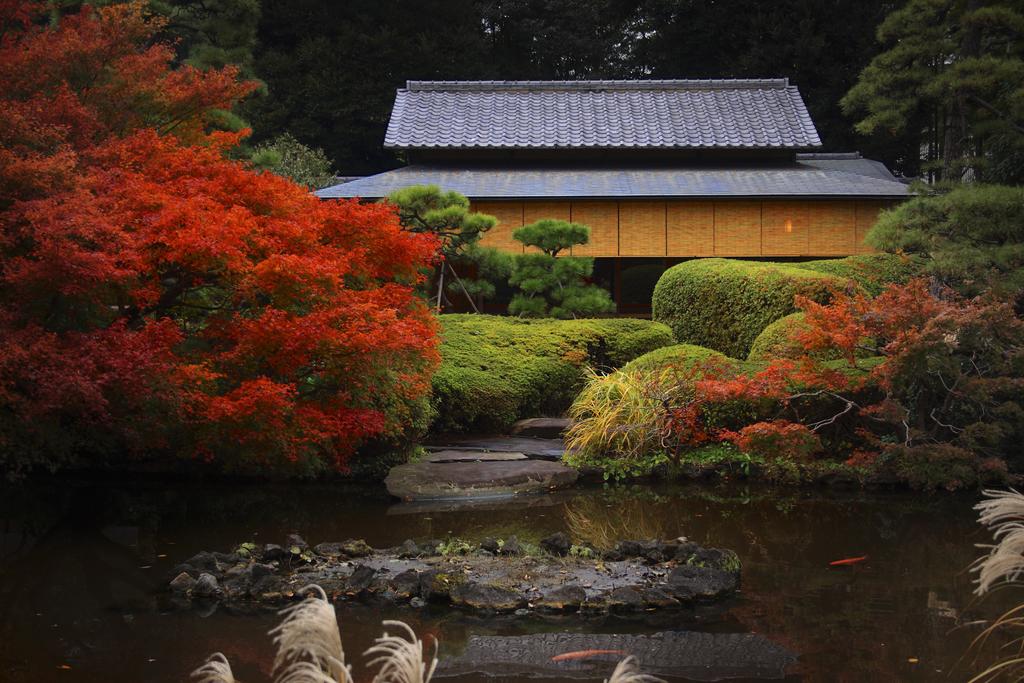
x=81, y=565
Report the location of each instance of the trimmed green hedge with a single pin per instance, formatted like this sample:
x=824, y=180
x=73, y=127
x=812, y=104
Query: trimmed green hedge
x=873, y=272
x=775, y=341
x=496, y=370
x=724, y=304
x=681, y=355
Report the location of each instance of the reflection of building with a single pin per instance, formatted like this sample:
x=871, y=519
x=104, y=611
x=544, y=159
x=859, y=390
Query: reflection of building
x=661, y=171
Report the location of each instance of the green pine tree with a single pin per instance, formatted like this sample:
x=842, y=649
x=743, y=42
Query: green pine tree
x=954, y=70
x=447, y=215
x=550, y=285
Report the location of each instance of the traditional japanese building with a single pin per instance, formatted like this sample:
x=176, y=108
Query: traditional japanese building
x=661, y=170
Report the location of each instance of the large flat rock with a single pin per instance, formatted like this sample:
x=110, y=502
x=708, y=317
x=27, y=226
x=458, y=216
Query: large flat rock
x=451, y=480
x=692, y=655
x=472, y=456
x=541, y=427
x=539, y=449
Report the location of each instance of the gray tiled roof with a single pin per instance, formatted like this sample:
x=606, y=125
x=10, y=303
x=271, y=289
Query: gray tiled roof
x=800, y=179
x=676, y=114
x=851, y=162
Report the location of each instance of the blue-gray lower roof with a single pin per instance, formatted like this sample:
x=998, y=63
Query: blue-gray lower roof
x=805, y=178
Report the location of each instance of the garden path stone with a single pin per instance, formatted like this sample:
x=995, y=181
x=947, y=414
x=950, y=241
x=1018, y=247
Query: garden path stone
x=533, y=448
x=541, y=427
x=472, y=456
x=454, y=480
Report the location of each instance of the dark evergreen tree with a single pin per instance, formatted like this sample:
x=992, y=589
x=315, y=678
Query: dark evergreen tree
x=952, y=74
x=550, y=285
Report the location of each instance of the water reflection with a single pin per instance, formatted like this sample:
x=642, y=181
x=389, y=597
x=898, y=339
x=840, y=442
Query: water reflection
x=81, y=563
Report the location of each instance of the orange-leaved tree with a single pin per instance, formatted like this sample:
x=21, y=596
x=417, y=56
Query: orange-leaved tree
x=157, y=297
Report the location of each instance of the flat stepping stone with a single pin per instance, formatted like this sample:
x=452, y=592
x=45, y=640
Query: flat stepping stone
x=541, y=427
x=535, y=449
x=472, y=456
x=455, y=480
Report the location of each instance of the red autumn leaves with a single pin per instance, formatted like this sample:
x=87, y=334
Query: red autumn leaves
x=157, y=295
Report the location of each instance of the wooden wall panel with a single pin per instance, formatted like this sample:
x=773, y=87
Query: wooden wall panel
x=641, y=228
x=510, y=217
x=737, y=228
x=535, y=211
x=784, y=228
x=691, y=228
x=867, y=214
x=603, y=220
x=833, y=228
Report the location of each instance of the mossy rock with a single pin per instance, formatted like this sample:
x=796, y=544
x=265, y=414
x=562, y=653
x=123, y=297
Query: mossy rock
x=496, y=370
x=872, y=272
x=724, y=304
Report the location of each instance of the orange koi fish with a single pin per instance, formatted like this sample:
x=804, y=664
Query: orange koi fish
x=585, y=654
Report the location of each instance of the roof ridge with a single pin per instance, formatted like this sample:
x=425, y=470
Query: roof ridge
x=828, y=156
x=636, y=84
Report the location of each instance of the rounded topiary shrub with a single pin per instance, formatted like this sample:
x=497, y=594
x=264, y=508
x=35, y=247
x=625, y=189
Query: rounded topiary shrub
x=872, y=272
x=683, y=356
x=776, y=340
x=724, y=304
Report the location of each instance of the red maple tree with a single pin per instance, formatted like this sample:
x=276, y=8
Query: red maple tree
x=928, y=387
x=156, y=296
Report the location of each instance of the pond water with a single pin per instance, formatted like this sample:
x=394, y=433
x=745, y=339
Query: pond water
x=81, y=565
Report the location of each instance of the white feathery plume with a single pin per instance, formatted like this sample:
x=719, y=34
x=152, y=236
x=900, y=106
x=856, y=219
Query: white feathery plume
x=302, y=671
x=309, y=644
x=1003, y=513
x=401, y=658
x=627, y=671
x=216, y=669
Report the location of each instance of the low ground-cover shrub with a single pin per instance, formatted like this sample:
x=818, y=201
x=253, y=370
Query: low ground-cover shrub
x=724, y=304
x=938, y=406
x=683, y=355
x=872, y=272
x=496, y=370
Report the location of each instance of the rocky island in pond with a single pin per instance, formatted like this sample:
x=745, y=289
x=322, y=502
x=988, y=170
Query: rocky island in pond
x=502, y=576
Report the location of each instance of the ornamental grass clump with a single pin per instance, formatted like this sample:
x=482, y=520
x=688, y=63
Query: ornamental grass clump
x=619, y=415
x=1003, y=565
x=309, y=650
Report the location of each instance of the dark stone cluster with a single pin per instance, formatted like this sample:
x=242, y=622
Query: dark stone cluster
x=501, y=576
